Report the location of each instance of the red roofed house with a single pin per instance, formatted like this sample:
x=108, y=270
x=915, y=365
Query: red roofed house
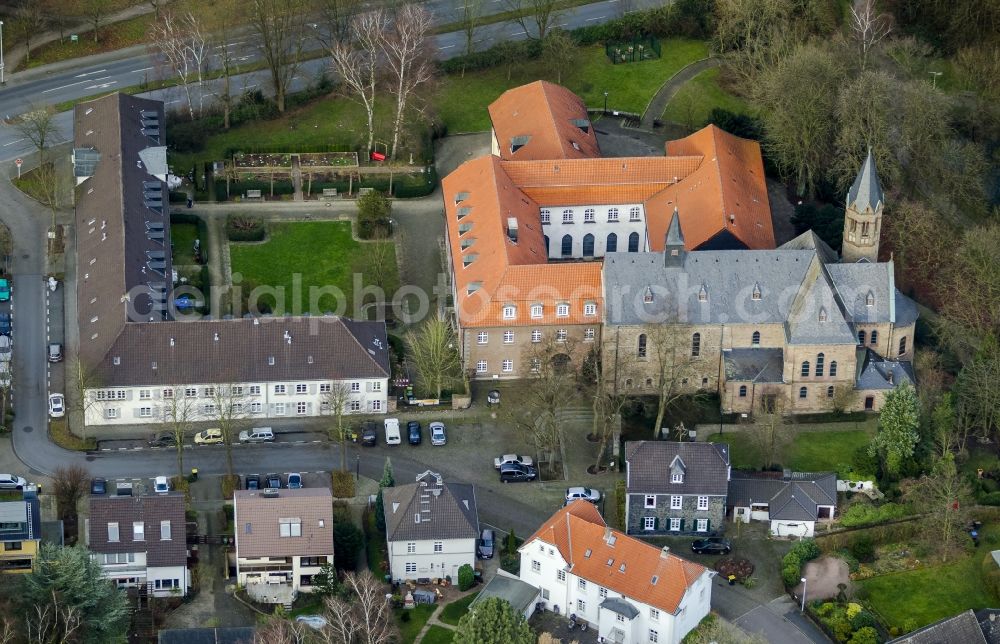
x=529, y=224
x=631, y=591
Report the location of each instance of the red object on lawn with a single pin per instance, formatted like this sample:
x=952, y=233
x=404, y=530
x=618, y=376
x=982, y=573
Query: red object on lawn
x=378, y=156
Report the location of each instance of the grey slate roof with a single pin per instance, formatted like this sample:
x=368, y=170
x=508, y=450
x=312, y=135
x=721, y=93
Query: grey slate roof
x=906, y=309
x=151, y=510
x=706, y=467
x=963, y=628
x=873, y=371
x=854, y=282
x=811, y=241
x=793, y=497
x=620, y=606
x=177, y=352
x=866, y=192
x=816, y=317
x=989, y=622
x=674, y=235
x=519, y=594
x=754, y=365
x=447, y=510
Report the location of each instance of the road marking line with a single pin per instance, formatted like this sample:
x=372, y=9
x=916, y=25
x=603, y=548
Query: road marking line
x=597, y=18
x=91, y=73
x=56, y=89
x=446, y=47
x=144, y=69
x=12, y=143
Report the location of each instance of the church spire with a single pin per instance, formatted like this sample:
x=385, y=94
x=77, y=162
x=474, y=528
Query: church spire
x=866, y=192
x=863, y=216
x=673, y=249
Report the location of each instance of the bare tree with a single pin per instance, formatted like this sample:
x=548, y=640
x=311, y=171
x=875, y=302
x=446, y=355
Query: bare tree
x=868, y=28
x=29, y=20
x=472, y=12
x=379, y=255
x=227, y=62
x=184, y=47
x=230, y=409
x=668, y=350
x=409, y=60
x=357, y=63
x=84, y=396
x=277, y=630
x=365, y=619
x=156, y=4
x=38, y=125
x=559, y=52
x=945, y=498
x=179, y=414
x=535, y=17
x=608, y=400
x=335, y=403
x=278, y=27
x=335, y=21
x=69, y=484
x=433, y=351
x=96, y=11
x=52, y=622
x=770, y=432
x=7, y=630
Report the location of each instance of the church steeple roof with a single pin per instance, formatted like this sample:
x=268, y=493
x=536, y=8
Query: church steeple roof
x=866, y=192
x=674, y=235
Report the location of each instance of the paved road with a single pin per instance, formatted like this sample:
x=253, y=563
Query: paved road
x=106, y=72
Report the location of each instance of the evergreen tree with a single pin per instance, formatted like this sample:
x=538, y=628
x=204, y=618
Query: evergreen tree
x=493, y=621
x=897, y=434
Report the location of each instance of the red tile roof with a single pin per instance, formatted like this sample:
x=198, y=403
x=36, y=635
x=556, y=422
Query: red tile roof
x=544, y=112
x=597, y=553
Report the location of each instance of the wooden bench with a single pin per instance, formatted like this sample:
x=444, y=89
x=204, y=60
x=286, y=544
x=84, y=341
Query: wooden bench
x=254, y=194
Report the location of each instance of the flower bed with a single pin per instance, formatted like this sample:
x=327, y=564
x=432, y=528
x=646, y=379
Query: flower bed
x=894, y=557
x=845, y=622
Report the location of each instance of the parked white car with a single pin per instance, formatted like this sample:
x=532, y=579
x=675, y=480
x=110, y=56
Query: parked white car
x=392, y=436
x=438, y=436
x=161, y=485
x=586, y=493
x=5, y=348
x=512, y=458
x=57, y=406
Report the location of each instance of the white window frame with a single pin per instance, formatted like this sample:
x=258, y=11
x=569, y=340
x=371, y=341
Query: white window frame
x=301, y=388
x=509, y=312
x=702, y=502
x=536, y=335
x=355, y=387
x=411, y=548
x=588, y=216
x=676, y=502
x=279, y=409
x=675, y=525
x=138, y=531
x=145, y=412
x=483, y=337
x=537, y=310
x=508, y=337
x=612, y=214
x=590, y=308
x=411, y=567
x=561, y=575
x=325, y=387
x=677, y=477
x=561, y=335
x=581, y=584
x=635, y=213
x=191, y=392
x=482, y=366
x=111, y=412
x=145, y=394
x=256, y=407
x=438, y=546
x=701, y=525
x=649, y=501
x=649, y=523
x=507, y=366
x=654, y=614
x=562, y=310
x=536, y=566
x=280, y=389
x=567, y=216
x=254, y=390
x=301, y=408
x=544, y=215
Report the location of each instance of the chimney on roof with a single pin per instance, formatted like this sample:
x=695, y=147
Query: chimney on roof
x=256, y=321
x=890, y=376
x=288, y=337
x=665, y=552
x=607, y=533
x=512, y=229
x=216, y=338
x=171, y=342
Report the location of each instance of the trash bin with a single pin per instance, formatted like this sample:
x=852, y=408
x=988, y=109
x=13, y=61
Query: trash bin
x=194, y=475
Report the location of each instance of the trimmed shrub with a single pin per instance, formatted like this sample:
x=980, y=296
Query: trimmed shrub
x=342, y=484
x=866, y=635
x=466, y=577
x=863, y=619
x=347, y=543
x=806, y=550
x=863, y=548
x=791, y=569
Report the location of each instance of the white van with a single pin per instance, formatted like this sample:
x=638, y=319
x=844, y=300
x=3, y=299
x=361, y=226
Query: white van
x=257, y=435
x=392, y=431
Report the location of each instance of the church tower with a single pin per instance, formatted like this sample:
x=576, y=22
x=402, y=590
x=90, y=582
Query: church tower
x=863, y=219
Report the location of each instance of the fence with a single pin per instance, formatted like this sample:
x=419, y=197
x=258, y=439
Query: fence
x=633, y=51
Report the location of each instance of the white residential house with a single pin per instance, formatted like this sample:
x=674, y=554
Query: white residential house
x=431, y=528
x=792, y=502
x=629, y=590
x=141, y=541
x=283, y=538
x=263, y=368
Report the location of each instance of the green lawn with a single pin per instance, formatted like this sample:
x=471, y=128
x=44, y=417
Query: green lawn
x=111, y=37
x=409, y=629
x=930, y=594
x=696, y=99
x=813, y=451
x=301, y=255
x=438, y=635
x=182, y=237
x=453, y=612
x=461, y=102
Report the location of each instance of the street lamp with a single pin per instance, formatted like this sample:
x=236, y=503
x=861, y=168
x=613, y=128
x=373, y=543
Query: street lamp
x=357, y=468
x=605, y=98
x=805, y=583
x=2, y=81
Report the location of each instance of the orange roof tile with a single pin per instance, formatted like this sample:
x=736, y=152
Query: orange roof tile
x=727, y=192
x=588, y=545
x=544, y=112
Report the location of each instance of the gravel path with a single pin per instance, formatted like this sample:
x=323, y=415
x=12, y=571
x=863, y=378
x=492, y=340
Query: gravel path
x=662, y=97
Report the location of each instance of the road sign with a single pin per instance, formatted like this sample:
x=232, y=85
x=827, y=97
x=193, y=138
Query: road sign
x=18, y=162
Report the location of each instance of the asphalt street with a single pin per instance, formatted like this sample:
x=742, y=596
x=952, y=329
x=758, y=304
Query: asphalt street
x=105, y=75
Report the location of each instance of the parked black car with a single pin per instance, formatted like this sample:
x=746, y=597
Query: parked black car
x=4, y=323
x=273, y=481
x=517, y=472
x=712, y=546
x=162, y=439
x=414, y=433
x=369, y=434
x=486, y=544
x=252, y=482
x=98, y=486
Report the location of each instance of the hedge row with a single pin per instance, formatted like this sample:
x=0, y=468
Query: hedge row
x=791, y=564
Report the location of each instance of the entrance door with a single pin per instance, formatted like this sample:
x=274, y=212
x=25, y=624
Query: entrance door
x=869, y=403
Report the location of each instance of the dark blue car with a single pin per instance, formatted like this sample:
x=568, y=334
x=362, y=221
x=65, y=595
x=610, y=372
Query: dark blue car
x=414, y=433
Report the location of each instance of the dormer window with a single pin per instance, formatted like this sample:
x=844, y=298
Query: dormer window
x=677, y=477
x=468, y=242
x=509, y=312
x=562, y=310
x=647, y=295
x=870, y=300
x=536, y=310
x=703, y=294
x=822, y=314
x=464, y=228
x=756, y=291
x=468, y=259
x=461, y=196
x=518, y=142
x=464, y=211
x=583, y=124
x=473, y=287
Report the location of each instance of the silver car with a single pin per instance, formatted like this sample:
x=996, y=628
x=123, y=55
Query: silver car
x=586, y=493
x=11, y=482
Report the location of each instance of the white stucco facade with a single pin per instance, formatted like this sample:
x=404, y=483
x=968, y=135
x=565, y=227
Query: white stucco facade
x=251, y=401
x=599, y=222
x=564, y=592
x=430, y=558
x=294, y=572
x=132, y=571
x=782, y=527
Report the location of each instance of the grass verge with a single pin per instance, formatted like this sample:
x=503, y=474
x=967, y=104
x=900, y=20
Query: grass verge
x=119, y=35
x=438, y=635
x=61, y=435
x=411, y=626
x=695, y=100
x=453, y=612
x=318, y=262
